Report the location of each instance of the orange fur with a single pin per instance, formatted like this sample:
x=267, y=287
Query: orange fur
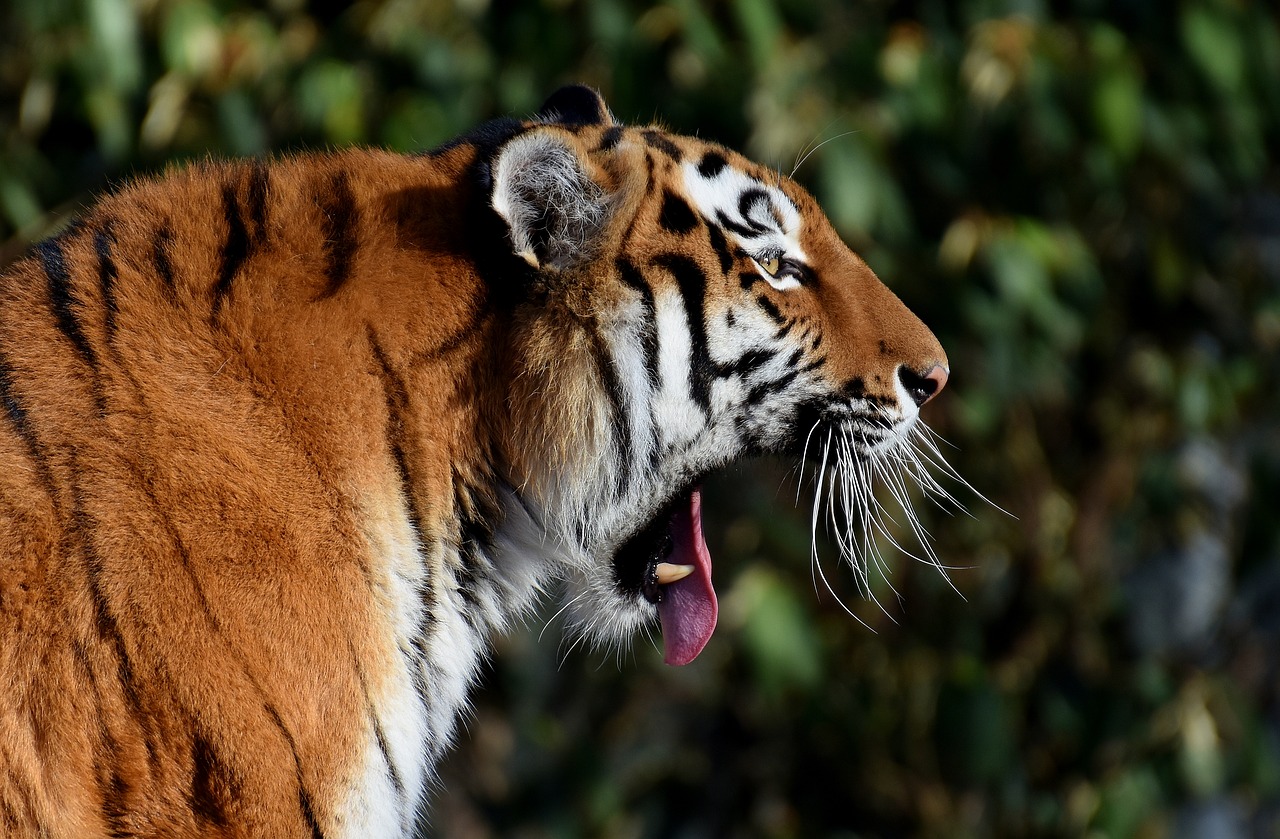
x=182, y=563
x=219, y=387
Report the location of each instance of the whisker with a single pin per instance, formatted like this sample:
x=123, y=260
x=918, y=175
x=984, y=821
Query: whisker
x=810, y=152
x=558, y=613
x=871, y=488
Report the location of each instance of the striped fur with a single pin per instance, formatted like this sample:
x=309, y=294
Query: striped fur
x=286, y=443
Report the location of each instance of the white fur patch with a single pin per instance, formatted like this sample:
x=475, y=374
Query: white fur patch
x=677, y=417
x=374, y=807
x=766, y=222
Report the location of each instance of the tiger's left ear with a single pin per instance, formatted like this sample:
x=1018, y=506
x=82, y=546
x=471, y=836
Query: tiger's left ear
x=575, y=104
x=554, y=208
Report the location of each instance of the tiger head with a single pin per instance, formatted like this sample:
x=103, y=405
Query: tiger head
x=684, y=307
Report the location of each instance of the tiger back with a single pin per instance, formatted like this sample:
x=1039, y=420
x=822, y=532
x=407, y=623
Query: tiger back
x=286, y=443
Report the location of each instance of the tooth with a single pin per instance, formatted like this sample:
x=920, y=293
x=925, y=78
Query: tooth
x=669, y=572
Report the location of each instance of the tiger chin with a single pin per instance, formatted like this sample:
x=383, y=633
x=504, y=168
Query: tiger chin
x=285, y=443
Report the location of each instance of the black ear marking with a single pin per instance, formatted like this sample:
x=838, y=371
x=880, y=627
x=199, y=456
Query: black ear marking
x=575, y=104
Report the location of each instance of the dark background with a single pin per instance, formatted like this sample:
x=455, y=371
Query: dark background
x=1082, y=199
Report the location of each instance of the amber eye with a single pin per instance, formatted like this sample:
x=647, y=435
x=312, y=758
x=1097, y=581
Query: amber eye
x=771, y=264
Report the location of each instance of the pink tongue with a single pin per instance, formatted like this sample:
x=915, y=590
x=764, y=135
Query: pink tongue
x=688, y=607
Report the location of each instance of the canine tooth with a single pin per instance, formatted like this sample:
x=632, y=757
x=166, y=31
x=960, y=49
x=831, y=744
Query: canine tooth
x=669, y=572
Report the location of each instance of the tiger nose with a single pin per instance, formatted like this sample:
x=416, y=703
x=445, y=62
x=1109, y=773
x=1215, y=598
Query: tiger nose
x=922, y=388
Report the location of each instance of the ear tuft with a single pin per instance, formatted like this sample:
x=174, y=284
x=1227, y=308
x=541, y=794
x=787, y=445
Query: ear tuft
x=553, y=207
x=575, y=105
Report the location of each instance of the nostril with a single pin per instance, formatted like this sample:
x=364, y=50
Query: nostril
x=923, y=388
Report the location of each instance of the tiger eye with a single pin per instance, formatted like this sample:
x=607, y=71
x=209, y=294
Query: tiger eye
x=771, y=265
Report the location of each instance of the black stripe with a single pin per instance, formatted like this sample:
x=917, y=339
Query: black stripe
x=21, y=423
x=384, y=746
x=658, y=140
x=161, y=241
x=745, y=231
x=475, y=513
x=104, y=239
x=259, y=178
x=618, y=426
x=721, y=247
x=378, y=732
x=17, y=413
x=471, y=330
x=771, y=309
x=115, y=809
x=747, y=363
x=304, y=799
x=676, y=216
x=235, y=248
x=145, y=721
x=748, y=199
x=469, y=557
x=80, y=528
x=611, y=137
x=184, y=555
x=341, y=232
x=397, y=399
x=213, y=786
x=763, y=389
x=711, y=164
x=817, y=363
x=693, y=288
x=396, y=396
x=649, y=336
x=54, y=261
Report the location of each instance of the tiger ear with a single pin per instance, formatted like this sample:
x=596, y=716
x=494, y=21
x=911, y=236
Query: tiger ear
x=575, y=104
x=543, y=189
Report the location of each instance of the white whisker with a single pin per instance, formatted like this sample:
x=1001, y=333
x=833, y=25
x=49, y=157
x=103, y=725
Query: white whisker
x=861, y=476
x=809, y=152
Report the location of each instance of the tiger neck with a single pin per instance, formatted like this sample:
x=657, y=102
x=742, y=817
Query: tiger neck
x=475, y=555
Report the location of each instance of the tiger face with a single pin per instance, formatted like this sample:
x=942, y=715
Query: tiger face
x=719, y=314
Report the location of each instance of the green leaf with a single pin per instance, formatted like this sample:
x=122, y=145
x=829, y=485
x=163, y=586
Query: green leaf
x=778, y=633
x=1117, y=111
x=1214, y=43
x=331, y=97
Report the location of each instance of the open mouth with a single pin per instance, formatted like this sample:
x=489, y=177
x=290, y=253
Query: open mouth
x=667, y=561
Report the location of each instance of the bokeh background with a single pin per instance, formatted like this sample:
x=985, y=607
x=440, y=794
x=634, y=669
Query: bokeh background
x=1081, y=197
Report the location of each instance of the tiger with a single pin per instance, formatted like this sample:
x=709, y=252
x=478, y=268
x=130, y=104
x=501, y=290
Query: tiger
x=288, y=443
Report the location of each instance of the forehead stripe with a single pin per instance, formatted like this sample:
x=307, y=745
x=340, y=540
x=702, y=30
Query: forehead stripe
x=749, y=202
x=730, y=224
x=676, y=217
x=711, y=164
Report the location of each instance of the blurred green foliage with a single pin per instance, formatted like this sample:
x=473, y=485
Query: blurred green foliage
x=1081, y=198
